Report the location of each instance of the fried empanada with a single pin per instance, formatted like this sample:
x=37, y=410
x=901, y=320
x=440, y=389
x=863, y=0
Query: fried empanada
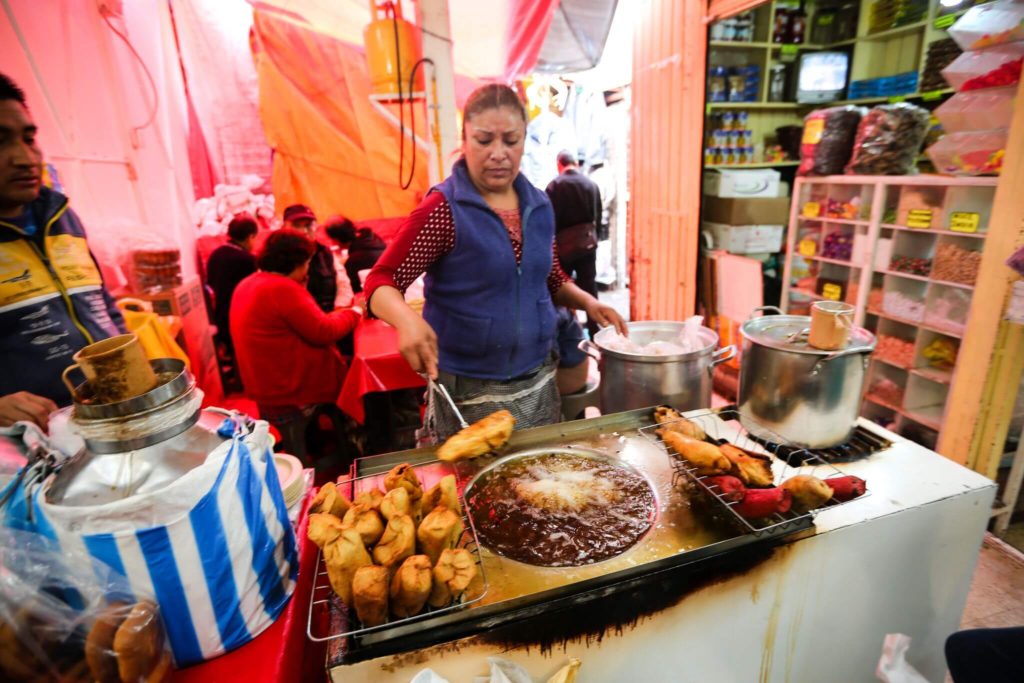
x=454, y=571
x=371, y=498
x=674, y=422
x=809, y=492
x=707, y=458
x=397, y=543
x=444, y=493
x=438, y=531
x=410, y=586
x=752, y=469
x=370, y=594
x=481, y=437
x=396, y=502
x=329, y=499
x=366, y=521
x=404, y=476
x=323, y=528
x=343, y=556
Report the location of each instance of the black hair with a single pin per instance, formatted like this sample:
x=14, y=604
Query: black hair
x=242, y=227
x=9, y=90
x=341, y=230
x=492, y=96
x=567, y=158
x=284, y=251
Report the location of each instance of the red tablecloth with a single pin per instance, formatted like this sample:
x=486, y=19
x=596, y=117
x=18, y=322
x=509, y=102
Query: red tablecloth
x=282, y=652
x=376, y=366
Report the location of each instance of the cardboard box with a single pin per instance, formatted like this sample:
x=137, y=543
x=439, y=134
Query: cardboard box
x=178, y=301
x=746, y=211
x=760, y=182
x=746, y=239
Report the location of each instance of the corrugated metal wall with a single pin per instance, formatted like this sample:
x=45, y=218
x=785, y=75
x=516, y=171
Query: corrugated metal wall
x=669, y=54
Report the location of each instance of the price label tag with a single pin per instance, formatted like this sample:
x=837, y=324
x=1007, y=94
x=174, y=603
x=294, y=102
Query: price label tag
x=813, y=130
x=831, y=291
x=964, y=221
x=807, y=247
x=896, y=99
x=789, y=52
x=919, y=218
x=944, y=22
x=812, y=209
x=931, y=95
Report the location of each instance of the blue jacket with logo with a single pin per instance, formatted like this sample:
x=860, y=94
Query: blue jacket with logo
x=52, y=299
x=494, y=318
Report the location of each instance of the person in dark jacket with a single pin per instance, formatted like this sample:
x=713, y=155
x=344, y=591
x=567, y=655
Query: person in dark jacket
x=323, y=279
x=363, y=245
x=577, y=203
x=53, y=300
x=229, y=264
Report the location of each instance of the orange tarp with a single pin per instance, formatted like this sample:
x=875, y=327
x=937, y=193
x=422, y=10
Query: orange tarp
x=332, y=149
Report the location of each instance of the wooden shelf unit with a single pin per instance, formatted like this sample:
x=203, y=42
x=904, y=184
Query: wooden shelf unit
x=925, y=388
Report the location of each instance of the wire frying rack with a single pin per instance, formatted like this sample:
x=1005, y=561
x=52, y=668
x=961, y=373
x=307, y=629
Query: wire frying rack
x=723, y=427
x=329, y=618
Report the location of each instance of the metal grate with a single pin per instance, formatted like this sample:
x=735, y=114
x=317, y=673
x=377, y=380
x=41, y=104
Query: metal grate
x=329, y=618
x=719, y=431
x=862, y=444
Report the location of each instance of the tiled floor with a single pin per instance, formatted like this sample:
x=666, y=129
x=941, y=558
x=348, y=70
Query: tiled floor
x=997, y=590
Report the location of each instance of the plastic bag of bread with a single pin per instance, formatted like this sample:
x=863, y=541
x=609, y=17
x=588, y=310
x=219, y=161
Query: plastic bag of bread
x=65, y=616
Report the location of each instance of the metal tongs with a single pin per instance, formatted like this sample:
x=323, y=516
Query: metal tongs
x=434, y=385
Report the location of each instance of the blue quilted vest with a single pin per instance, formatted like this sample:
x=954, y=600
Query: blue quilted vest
x=494, y=318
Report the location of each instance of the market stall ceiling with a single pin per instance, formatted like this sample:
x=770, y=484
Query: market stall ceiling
x=481, y=36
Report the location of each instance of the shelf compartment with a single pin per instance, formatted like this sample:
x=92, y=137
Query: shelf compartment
x=931, y=231
x=931, y=374
x=948, y=307
x=924, y=326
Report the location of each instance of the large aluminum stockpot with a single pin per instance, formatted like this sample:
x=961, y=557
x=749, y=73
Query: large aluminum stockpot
x=634, y=380
x=795, y=392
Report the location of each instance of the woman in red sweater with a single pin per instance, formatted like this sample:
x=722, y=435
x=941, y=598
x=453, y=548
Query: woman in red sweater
x=284, y=344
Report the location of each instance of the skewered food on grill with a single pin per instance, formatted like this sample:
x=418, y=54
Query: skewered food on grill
x=366, y=521
x=370, y=594
x=343, y=557
x=846, y=488
x=808, y=492
x=410, y=586
x=758, y=503
x=438, y=531
x=397, y=543
x=752, y=469
x=707, y=458
x=481, y=437
x=729, y=488
x=674, y=422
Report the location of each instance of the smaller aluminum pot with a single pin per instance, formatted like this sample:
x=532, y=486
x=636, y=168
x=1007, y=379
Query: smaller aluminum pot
x=795, y=393
x=634, y=380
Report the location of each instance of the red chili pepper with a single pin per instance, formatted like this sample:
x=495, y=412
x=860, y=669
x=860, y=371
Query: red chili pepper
x=730, y=489
x=764, y=502
x=846, y=488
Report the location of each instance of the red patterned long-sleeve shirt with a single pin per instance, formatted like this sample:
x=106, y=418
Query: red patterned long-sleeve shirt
x=428, y=235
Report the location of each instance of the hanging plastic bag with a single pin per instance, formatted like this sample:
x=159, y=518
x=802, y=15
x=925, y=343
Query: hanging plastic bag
x=214, y=547
x=893, y=666
x=64, y=617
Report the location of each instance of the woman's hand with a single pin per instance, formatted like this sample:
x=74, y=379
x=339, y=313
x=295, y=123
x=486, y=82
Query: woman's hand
x=418, y=344
x=604, y=315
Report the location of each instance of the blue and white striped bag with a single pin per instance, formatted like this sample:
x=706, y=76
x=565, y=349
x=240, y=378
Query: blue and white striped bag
x=215, y=547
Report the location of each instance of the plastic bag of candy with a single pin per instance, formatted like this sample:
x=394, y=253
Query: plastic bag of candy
x=888, y=140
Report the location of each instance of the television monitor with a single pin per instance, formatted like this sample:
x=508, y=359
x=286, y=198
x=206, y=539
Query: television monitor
x=822, y=76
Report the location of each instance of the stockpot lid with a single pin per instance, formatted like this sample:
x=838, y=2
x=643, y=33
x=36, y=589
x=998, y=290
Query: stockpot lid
x=789, y=333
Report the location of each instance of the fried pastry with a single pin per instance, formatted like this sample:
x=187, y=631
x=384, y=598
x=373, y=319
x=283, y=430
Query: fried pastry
x=707, y=458
x=808, y=492
x=330, y=500
x=99, y=644
x=438, y=531
x=138, y=642
x=323, y=528
x=410, y=586
x=343, y=557
x=481, y=437
x=752, y=469
x=674, y=422
x=404, y=476
x=397, y=543
x=454, y=571
x=396, y=502
x=372, y=498
x=370, y=594
x=444, y=493
x=366, y=521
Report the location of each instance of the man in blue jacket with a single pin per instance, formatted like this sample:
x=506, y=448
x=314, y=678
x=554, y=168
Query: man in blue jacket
x=52, y=297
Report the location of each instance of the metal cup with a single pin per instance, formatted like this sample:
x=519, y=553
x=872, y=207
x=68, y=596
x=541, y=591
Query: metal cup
x=116, y=369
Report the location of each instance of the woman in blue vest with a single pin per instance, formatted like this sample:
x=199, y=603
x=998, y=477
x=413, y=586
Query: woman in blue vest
x=485, y=239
